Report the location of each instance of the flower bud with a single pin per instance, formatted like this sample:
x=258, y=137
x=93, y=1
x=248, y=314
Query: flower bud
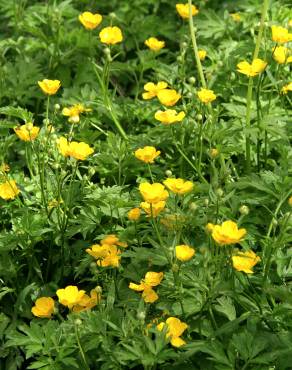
x=220, y=192
x=93, y=265
x=193, y=206
x=244, y=210
x=206, y=202
x=199, y=117
x=213, y=153
x=91, y=171
x=107, y=51
x=57, y=106
x=168, y=173
x=141, y=315
x=179, y=58
x=220, y=64
x=189, y=95
x=78, y=322
x=184, y=45
x=98, y=289
x=113, y=15
x=290, y=201
x=175, y=267
x=46, y=121
x=192, y=80
x=232, y=76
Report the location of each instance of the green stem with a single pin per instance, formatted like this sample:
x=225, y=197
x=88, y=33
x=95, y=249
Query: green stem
x=195, y=47
x=150, y=172
x=250, y=86
x=81, y=349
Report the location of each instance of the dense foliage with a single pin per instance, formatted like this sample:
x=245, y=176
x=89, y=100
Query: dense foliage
x=145, y=185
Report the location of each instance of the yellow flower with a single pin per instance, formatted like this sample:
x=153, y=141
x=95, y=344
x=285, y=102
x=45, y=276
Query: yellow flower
x=90, y=21
x=245, y=261
x=206, y=96
x=150, y=280
x=134, y=214
x=256, y=67
x=74, y=149
x=152, y=89
x=228, y=233
x=44, y=307
x=209, y=227
x=49, y=87
x=87, y=302
x=153, y=209
x=153, y=193
x=202, y=54
x=184, y=253
x=235, y=16
x=147, y=154
x=287, y=88
x=154, y=44
x=281, y=34
x=168, y=97
x=184, y=10
x=280, y=54
x=107, y=255
x=175, y=329
x=111, y=35
x=169, y=116
x=214, y=153
x=27, y=132
x=70, y=296
x=290, y=23
x=290, y=201
x=74, y=112
x=4, y=167
x=112, y=239
x=178, y=186
x=9, y=190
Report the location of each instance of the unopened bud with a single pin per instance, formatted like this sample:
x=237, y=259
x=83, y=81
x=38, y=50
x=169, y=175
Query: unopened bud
x=179, y=58
x=244, y=210
x=220, y=192
x=192, y=80
x=141, y=315
x=199, y=117
x=214, y=153
x=290, y=201
x=107, y=51
x=98, y=289
x=189, y=95
x=78, y=322
x=184, y=45
x=193, y=206
x=91, y=171
x=57, y=106
x=175, y=267
x=168, y=173
x=113, y=15
x=206, y=202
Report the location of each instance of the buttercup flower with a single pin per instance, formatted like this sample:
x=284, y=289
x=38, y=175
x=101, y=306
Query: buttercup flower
x=27, y=132
x=152, y=89
x=147, y=154
x=90, y=21
x=290, y=201
x=178, y=186
x=150, y=280
x=168, y=97
x=74, y=149
x=4, y=167
x=175, y=329
x=228, y=233
x=245, y=261
x=74, y=112
x=153, y=193
x=184, y=253
x=153, y=209
x=286, y=88
x=70, y=296
x=280, y=55
x=169, y=116
x=184, y=10
x=111, y=35
x=134, y=214
x=87, y=302
x=49, y=87
x=281, y=34
x=209, y=227
x=206, y=96
x=256, y=67
x=154, y=44
x=44, y=307
x=235, y=16
x=202, y=54
x=9, y=190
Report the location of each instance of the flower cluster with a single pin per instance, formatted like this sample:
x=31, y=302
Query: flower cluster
x=107, y=253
